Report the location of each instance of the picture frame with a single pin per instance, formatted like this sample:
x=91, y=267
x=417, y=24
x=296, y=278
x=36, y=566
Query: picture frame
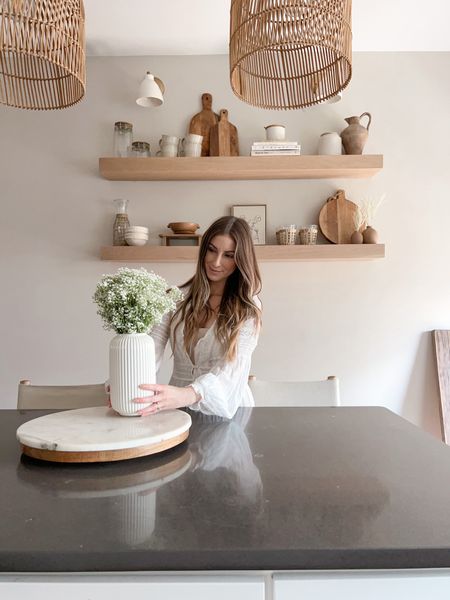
x=255, y=215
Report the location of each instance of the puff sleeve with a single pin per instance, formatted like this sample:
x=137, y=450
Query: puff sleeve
x=222, y=389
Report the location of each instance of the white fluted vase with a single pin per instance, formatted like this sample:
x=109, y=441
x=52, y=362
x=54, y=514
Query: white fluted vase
x=131, y=362
x=137, y=517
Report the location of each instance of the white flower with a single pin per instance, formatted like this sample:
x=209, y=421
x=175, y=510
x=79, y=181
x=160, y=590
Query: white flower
x=133, y=300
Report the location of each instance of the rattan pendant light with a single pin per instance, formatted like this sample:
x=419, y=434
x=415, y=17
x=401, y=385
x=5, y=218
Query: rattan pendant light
x=42, y=55
x=290, y=53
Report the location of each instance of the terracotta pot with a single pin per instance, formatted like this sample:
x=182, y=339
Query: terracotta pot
x=356, y=237
x=370, y=235
x=355, y=135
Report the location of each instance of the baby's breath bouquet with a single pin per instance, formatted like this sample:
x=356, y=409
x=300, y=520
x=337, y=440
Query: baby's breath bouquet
x=133, y=300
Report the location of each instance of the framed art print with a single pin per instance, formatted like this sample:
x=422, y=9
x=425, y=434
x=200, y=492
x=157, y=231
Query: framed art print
x=255, y=215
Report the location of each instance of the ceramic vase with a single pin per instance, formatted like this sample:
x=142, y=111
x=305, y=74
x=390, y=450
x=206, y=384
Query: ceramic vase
x=357, y=237
x=370, y=235
x=355, y=135
x=329, y=143
x=275, y=133
x=131, y=362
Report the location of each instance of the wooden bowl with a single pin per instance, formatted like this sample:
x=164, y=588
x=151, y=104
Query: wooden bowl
x=183, y=227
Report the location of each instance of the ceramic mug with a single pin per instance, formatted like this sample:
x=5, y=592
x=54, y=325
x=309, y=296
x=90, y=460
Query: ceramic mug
x=192, y=145
x=169, y=145
x=275, y=133
x=192, y=138
x=193, y=150
x=330, y=143
x=168, y=139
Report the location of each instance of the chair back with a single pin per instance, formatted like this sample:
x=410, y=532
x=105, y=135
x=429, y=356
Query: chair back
x=60, y=396
x=295, y=393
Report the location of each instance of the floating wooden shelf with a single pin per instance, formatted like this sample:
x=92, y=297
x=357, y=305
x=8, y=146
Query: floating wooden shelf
x=322, y=252
x=241, y=167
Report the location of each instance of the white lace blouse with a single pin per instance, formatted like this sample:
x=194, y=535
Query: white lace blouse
x=223, y=386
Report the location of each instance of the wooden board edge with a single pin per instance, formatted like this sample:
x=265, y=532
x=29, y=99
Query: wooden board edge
x=103, y=455
x=442, y=370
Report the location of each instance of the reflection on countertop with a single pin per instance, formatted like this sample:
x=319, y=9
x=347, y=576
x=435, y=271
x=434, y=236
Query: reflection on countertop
x=220, y=466
x=133, y=492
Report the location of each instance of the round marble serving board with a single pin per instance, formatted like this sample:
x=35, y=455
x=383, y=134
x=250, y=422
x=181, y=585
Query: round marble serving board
x=99, y=434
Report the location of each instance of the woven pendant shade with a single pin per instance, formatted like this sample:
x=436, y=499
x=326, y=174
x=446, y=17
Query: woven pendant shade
x=289, y=53
x=42, y=57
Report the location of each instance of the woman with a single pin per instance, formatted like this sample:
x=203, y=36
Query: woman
x=215, y=328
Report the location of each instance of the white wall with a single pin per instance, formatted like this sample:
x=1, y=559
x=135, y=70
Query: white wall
x=367, y=322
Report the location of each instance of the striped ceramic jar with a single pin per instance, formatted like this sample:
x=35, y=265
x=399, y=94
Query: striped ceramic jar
x=131, y=362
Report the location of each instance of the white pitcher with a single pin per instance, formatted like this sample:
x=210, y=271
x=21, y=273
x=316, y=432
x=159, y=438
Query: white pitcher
x=169, y=145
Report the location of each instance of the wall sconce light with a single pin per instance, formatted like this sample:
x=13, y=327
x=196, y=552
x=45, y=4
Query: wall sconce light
x=151, y=91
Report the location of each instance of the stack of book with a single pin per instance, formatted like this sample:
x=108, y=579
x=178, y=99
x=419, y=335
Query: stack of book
x=275, y=148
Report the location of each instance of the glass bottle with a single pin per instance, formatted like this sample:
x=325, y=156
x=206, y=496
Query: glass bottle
x=140, y=149
x=123, y=138
x=121, y=222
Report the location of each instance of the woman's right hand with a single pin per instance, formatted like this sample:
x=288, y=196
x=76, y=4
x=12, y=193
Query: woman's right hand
x=165, y=397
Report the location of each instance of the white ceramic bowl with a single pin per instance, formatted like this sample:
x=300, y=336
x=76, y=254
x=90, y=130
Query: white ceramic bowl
x=136, y=237
x=137, y=234
x=136, y=241
x=132, y=241
x=136, y=229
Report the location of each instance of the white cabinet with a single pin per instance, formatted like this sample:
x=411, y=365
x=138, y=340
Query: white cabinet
x=363, y=585
x=313, y=585
x=132, y=587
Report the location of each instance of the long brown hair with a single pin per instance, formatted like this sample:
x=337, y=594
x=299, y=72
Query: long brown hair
x=237, y=304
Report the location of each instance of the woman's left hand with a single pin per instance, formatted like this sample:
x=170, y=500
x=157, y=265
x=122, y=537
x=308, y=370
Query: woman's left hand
x=165, y=397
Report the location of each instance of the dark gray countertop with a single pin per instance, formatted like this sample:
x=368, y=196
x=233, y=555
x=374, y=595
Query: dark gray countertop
x=276, y=488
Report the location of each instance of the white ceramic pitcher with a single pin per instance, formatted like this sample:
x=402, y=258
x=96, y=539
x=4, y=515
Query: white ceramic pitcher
x=169, y=145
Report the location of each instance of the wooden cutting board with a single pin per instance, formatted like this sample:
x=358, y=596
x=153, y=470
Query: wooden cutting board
x=336, y=218
x=224, y=137
x=202, y=122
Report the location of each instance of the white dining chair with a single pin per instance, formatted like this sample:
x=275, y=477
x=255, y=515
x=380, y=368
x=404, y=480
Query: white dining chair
x=295, y=393
x=60, y=396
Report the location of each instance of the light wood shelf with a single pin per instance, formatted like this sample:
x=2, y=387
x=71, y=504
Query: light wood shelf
x=320, y=252
x=241, y=167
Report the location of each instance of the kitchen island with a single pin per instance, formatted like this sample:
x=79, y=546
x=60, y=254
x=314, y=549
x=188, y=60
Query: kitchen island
x=286, y=502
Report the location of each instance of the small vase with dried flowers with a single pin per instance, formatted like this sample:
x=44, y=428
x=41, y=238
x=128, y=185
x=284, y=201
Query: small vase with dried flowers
x=370, y=206
x=358, y=223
